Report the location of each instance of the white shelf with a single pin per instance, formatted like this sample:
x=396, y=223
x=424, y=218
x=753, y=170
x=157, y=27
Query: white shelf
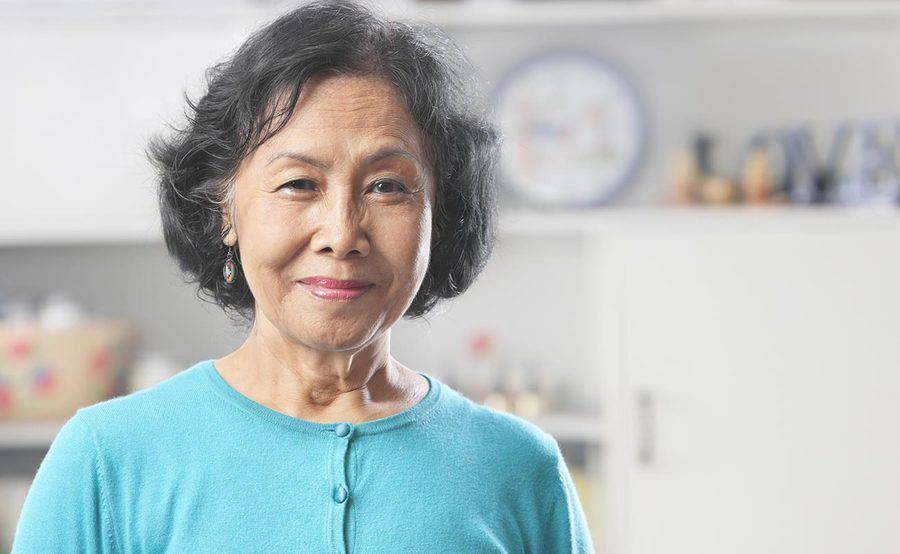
x=573, y=427
x=20, y=435
x=471, y=13
x=556, y=222
x=508, y=13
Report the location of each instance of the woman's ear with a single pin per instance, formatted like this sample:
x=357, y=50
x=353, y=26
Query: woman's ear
x=229, y=237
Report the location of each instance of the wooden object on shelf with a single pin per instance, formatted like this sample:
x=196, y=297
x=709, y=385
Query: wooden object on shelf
x=718, y=190
x=684, y=179
x=758, y=183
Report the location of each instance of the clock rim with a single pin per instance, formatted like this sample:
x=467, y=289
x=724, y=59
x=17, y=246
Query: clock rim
x=612, y=68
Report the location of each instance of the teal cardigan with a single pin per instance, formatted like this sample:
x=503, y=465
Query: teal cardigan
x=193, y=465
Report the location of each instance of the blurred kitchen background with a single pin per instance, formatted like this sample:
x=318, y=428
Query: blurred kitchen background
x=695, y=287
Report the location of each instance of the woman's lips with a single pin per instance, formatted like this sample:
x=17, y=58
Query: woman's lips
x=323, y=281
x=333, y=293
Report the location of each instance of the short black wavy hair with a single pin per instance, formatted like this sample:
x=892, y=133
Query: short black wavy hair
x=244, y=105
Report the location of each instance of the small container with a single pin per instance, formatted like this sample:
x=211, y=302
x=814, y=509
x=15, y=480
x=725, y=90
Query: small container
x=482, y=369
x=758, y=182
x=547, y=388
x=530, y=404
x=513, y=386
x=498, y=401
x=49, y=374
x=684, y=178
x=718, y=190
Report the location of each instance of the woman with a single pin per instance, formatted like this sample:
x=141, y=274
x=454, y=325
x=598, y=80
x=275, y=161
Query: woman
x=334, y=178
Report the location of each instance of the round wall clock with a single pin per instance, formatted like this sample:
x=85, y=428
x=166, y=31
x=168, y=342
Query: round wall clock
x=573, y=129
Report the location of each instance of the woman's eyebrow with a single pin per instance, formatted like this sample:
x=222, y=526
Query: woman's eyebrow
x=370, y=159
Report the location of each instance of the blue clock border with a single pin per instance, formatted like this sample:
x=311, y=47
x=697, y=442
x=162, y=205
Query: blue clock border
x=569, y=52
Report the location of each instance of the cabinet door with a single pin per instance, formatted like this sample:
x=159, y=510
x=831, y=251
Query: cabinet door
x=760, y=382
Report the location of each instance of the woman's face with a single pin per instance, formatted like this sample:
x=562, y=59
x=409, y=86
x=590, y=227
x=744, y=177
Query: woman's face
x=342, y=191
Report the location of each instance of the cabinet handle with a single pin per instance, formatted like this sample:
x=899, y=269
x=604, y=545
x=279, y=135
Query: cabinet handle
x=645, y=427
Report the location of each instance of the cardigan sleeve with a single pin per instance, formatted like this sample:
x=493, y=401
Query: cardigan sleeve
x=565, y=528
x=64, y=510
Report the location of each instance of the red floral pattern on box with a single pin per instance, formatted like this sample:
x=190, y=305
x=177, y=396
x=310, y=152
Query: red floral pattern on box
x=43, y=380
x=19, y=349
x=100, y=361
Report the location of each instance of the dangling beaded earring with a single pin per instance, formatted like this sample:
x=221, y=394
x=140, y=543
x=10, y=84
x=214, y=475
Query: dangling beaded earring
x=228, y=269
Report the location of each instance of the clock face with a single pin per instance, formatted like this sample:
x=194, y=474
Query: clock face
x=572, y=129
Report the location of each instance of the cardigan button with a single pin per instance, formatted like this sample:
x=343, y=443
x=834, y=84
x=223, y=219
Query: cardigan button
x=340, y=494
x=342, y=429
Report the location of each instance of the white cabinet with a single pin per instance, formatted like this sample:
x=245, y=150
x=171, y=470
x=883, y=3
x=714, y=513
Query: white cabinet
x=753, y=375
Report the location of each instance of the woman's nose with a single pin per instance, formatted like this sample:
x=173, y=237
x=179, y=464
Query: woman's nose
x=340, y=229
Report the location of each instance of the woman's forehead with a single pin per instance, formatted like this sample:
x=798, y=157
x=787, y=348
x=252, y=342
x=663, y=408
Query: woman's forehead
x=345, y=114
x=320, y=147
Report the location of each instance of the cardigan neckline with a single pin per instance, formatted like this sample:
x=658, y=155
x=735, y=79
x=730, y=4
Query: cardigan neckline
x=408, y=416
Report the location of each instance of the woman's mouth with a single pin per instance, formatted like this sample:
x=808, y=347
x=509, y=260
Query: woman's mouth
x=334, y=293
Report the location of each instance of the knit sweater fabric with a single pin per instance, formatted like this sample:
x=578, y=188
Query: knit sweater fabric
x=192, y=465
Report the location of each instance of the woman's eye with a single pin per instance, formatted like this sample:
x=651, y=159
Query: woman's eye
x=296, y=184
x=399, y=186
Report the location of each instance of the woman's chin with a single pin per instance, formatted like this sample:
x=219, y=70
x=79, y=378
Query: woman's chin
x=335, y=343
x=330, y=333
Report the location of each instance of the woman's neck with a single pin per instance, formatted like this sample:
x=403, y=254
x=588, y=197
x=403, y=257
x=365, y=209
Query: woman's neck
x=369, y=385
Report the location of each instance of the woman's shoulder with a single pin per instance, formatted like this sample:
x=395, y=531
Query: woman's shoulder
x=146, y=412
x=502, y=434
